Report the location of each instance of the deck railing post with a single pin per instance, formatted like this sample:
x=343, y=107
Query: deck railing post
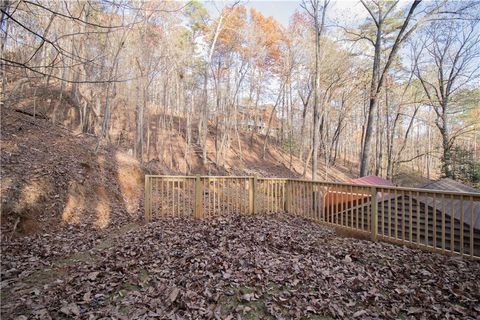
x=251, y=194
x=288, y=196
x=198, y=198
x=374, y=215
x=147, y=202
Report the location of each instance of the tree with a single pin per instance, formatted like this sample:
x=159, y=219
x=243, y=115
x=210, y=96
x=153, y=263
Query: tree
x=317, y=12
x=167, y=81
x=447, y=61
x=379, y=13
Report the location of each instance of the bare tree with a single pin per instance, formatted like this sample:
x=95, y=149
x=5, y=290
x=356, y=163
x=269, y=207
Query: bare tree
x=446, y=61
x=380, y=12
x=317, y=12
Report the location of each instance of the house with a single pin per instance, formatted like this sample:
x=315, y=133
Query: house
x=455, y=206
x=403, y=212
x=349, y=197
x=450, y=185
x=258, y=118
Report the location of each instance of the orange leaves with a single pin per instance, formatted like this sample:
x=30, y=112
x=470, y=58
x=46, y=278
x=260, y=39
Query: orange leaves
x=231, y=35
x=300, y=24
x=268, y=36
x=251, y=35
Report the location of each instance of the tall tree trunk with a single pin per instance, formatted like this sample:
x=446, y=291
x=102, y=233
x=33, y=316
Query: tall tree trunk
x=447, y=168
x=316, y=108
x=378, y=77
x=365, y=160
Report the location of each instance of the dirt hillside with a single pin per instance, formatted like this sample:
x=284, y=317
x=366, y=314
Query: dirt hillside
x=51, y=177
x=166, y=150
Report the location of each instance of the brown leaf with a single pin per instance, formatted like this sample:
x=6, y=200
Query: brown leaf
x=173, y=294
x=347, y=259
x=87, y=297
x=93, y=275
x=248, y=297
x=359, y=313
x=70, y=309
x=414, y=310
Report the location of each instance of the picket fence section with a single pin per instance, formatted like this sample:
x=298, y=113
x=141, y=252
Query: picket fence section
x=446, y=222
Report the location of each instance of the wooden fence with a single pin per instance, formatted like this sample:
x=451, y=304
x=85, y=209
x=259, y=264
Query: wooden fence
x=447, y=222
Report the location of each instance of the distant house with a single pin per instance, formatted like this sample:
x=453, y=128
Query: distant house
x=258, y=118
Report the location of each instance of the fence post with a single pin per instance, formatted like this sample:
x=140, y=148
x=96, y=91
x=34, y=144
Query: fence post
x=288, y=197
x=198, y=197
x=374, y=215
x=147, y=202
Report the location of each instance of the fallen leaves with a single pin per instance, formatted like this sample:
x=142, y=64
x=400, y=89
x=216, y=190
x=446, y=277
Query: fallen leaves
x=265, y=266
x=248, y=297
x=173, y=295
x=93, y=275
x=51, y=178
x=70, y=310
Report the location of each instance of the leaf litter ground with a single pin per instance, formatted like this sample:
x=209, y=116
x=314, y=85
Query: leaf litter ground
x=237, y=267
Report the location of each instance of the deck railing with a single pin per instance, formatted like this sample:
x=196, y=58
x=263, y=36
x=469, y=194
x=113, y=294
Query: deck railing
x=447, y=222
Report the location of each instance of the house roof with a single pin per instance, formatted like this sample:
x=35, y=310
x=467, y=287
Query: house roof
x=456, y=205
x=450, y=185
x=410, y=180
x=451, y=206
x=372, y=181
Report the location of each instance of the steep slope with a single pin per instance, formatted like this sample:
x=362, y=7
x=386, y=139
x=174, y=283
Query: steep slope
x=51, y=177
x=244, y=156
x=165, y=147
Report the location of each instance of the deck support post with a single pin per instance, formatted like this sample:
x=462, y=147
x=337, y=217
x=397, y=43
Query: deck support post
x=374, y=215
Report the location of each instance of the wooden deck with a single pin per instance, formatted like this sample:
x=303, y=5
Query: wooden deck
x=441, y=221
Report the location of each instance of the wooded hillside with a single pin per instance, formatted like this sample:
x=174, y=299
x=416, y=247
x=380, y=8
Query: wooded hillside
x=176, y=83
x=234, y=159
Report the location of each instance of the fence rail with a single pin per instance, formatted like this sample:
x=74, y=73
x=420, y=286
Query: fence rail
x=441, y=221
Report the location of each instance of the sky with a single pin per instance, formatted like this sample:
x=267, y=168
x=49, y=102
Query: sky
x=343, y=11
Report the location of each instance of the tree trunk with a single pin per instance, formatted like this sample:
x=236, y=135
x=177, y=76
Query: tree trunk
x=446, y=146
x=365, y=160
x=316, y=108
